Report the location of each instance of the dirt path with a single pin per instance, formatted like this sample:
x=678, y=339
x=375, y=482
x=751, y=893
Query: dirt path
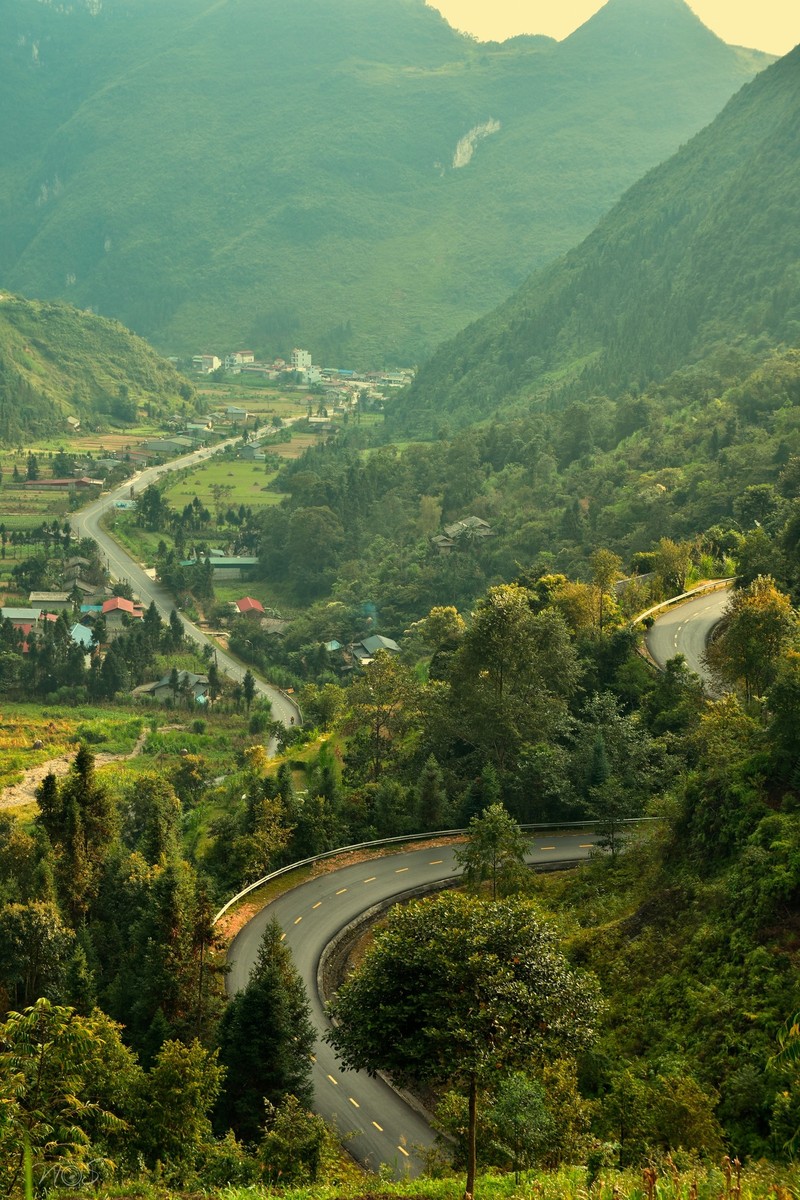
x=18, y=794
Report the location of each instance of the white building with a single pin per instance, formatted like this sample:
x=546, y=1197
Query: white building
x=301, y=360
x=240, y=358
x=206, y=363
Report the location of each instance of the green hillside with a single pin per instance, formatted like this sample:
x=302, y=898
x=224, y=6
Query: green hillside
x=57, y=362
x=701, y=253
x=236, y=173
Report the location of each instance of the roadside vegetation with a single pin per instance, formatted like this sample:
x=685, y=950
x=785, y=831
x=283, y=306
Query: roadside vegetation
x=685, y=930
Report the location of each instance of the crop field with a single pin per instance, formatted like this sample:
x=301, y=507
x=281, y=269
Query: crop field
x=242, y=483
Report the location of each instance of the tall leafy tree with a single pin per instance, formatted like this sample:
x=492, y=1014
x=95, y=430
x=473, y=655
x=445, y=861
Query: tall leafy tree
x=173, y=1104
x=511, y=675
x=606, y=570
x=266, y=1040
x=65, y=1088
x=80, y=818
x=495, y=850
x=758, y=627
x=248, y=688
x=432, y=802
x=457, y=991
x=35, y=946
x=383, y=702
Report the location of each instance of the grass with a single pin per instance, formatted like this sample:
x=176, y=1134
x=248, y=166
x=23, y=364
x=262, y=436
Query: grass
x=140, y=543
x=112, y=730
x=762, y=1181
x=225, y=593
x=248, y=483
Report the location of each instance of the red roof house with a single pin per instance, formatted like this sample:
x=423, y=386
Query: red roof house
x=248, y=607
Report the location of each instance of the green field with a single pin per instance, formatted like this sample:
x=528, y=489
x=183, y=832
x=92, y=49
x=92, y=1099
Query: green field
x=244, y=483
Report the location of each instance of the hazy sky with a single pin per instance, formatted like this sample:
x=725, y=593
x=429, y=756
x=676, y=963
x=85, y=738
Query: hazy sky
x=772, y=25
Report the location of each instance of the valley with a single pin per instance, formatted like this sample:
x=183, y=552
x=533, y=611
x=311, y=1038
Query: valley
x=258, y=613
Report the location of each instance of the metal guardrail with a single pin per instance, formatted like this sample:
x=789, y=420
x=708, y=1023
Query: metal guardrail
x=395, y=841
x=715, y=585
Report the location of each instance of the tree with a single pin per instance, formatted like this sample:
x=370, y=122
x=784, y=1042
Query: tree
x=266, y=1040
x=511, y=676
x=522, y=1126
x=248, y=688
x=80, y=819
x=672, y=564
x=152, y=813
x=432, y=802
x=291, y=1151
x=174, y=1102
x=495, y=850
x=65, y=1084
x=605, y=572
x=456, y=991
x=315, y=537
x=757, y=628
x=383, y=701
x=34, y=948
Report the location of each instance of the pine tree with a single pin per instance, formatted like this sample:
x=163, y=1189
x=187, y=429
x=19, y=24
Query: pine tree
x=266, y=1041
x=431, y=797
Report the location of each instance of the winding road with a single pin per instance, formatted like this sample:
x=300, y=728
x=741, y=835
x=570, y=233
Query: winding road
x=685, y=630
x=379, y=1127
x=377, y=1124
x=121, y=566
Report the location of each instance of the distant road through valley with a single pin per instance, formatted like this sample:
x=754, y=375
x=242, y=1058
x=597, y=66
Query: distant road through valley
x=87, y=523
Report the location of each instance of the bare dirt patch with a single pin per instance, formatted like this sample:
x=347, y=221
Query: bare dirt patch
x=18, y=794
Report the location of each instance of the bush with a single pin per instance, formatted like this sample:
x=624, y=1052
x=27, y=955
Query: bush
x=259, y=722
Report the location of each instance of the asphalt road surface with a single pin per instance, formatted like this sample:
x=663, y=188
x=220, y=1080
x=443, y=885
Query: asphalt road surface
x=121, y=566
x=685, y=630
x=378, y=1126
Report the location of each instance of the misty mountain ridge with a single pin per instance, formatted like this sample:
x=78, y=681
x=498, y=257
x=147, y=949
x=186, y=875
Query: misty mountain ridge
x=216, y=175
x=700, y=254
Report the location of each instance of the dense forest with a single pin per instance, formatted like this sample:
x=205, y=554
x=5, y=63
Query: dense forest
x=684, y=480
x=687, y=928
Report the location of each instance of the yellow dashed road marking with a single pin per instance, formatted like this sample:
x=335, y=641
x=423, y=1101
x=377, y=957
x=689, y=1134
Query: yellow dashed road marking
x=402, y=1151
x=341, y=891
x=400, y=870
x=335, y=1082
x=354, y=1103
x=371, y=879
x=437, y=862
x=378, y=1127
x=317, y=905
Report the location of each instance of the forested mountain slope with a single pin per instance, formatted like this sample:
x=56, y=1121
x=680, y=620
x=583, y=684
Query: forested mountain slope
x=353, y=176
x=57, y=362
x=703, y=252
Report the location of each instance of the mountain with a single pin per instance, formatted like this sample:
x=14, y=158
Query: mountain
x=57, y=362
x=702, y=253
x=350, y=175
